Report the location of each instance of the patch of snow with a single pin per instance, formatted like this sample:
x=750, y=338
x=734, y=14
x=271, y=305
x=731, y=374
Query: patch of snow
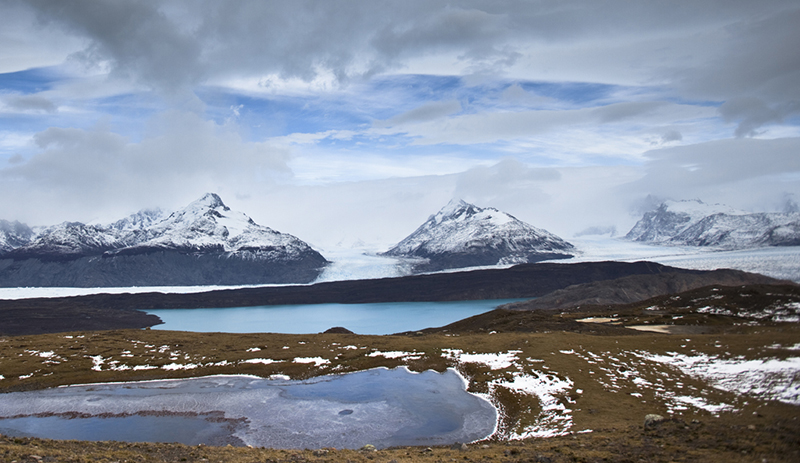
x=555, y=418
x=397, y=354
x=494, y=361
x=317, y=361
x=144, y=367
x=714, y=311
x=682, y=403
x=178, y=366
x=768, y=379
x=97, y=362
x=262, y=361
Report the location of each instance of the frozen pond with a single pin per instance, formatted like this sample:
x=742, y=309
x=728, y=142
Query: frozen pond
x=379, y=318
x=381, y=407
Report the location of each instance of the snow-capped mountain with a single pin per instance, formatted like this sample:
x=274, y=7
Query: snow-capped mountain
x=673, y=217
x=204, y=243
x=14, y=235
x=68, y=240
x=465, y=235
x=694, y=223
x=209, y=225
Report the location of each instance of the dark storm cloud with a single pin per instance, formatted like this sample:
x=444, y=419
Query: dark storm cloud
x=745, y=173
x=756, y=70
x=738, y=47
x=139, y=40
x=753, y=113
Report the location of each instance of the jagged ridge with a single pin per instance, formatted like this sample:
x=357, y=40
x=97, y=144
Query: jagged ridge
x=694, y=223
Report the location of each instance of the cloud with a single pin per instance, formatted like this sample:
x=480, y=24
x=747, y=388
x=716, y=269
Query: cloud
x=670, y=136
x=177, y=44
x=754, y=70
x=494, y=126
x=516, y=95
x=508, y=179
x=750, y=174
x=424, y=113
x=598, y=230
x=753, y=113
x=135, y=39
x=79, y=174
x=474, y=32
x=29, y=103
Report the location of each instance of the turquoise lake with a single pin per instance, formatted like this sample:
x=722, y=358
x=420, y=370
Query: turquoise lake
x=377, y=318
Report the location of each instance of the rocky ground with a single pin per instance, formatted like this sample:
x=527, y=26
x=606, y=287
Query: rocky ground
x=720, y=365
x=673, y=440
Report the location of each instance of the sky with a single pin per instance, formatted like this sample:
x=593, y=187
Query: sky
x=348, y=123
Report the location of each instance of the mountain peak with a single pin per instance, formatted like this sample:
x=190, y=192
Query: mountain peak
x=454, y=209
x=465, y=235
x=453, y=206
x=208, y=201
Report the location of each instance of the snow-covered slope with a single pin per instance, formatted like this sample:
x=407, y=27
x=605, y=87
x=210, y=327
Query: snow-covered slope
x=141, y=220
x=465, y=235
x=694, y=223
x=204, y=243
x=68, y=240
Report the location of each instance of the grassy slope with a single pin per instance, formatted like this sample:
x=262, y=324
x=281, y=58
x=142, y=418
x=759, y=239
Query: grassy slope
x=613, y=382
x=758, y=429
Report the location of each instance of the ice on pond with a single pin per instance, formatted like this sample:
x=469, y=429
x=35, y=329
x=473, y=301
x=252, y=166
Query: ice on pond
x=381, y=407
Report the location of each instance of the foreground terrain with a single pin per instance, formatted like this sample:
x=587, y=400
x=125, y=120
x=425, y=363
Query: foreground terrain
x=573, y=376
x=563, y=396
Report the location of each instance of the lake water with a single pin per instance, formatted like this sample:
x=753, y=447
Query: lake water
x=379, y=318
x=381, y=407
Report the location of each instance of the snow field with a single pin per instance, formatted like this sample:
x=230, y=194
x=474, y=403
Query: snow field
x=675, y=380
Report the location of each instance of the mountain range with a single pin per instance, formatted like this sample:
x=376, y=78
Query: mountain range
x=205, y=243
x=694, y=223
x=464, y=235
